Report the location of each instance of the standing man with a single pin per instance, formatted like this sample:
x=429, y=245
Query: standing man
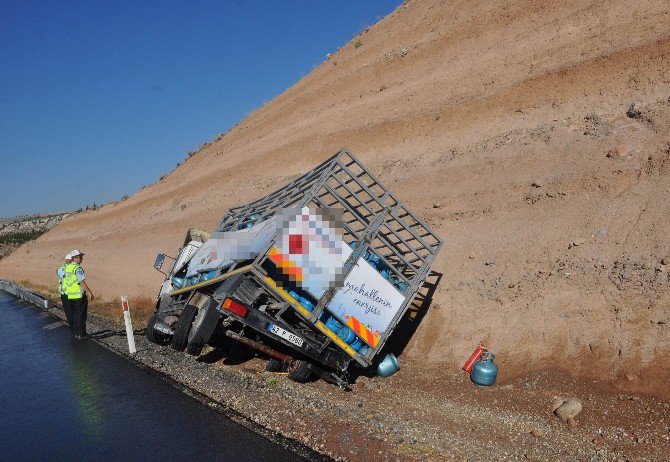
x=60, y=272
x=75, y=286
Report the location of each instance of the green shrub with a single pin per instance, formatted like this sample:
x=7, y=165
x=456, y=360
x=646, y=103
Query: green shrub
x=19, y=237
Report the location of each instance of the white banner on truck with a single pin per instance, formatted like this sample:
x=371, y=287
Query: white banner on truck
x=366, y=296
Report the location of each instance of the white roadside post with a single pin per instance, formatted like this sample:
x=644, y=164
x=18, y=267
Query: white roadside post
x=129, y=325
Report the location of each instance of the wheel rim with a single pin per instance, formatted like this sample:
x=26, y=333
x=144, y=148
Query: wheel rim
x=196, y=323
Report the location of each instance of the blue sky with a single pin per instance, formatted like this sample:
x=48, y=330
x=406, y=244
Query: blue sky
x=99, y=98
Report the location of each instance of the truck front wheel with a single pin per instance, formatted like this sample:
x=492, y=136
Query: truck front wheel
x=152, y=335
x=203, y=327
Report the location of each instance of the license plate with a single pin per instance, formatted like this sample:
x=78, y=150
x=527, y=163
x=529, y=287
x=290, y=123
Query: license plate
x=286, y=335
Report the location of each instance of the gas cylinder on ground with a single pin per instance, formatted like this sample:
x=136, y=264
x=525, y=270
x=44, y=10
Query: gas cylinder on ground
x=485, y=371
x=388, y=366
x=467, y=367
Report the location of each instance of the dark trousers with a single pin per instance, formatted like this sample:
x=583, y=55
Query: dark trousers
x=79, y=314
x=67, y=308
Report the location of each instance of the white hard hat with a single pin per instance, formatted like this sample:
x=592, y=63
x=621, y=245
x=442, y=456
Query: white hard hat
x=68, y=256
x=76, y=253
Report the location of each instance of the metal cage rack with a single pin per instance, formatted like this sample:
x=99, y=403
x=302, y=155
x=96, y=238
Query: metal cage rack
x=373, y=219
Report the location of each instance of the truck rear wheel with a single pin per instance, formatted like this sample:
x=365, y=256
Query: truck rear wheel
x=152, y=335
x=299, y=371
x=274, y=365
x=180, y=337
x=202, y=328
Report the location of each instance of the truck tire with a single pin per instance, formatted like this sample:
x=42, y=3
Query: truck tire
x=152, y=335
x=202, y=328
x=274, y=365
x=299, y=371
x=180, y=337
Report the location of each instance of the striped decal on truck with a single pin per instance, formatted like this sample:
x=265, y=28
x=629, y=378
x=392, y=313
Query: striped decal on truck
x=362, y=331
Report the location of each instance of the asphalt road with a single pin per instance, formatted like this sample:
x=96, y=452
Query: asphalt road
x=66, y=399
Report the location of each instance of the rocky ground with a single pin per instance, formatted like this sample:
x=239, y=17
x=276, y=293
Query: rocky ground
x=28, y=223
x=423, y=413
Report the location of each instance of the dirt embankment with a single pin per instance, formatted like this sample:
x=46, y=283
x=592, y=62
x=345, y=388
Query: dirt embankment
x=508, y=126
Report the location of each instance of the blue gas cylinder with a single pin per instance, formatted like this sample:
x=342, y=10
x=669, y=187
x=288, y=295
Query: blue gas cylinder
x=333, y=324
x=388, y=366
x=357, y=344
x=208, y=275
x=309, y=306
x=485, y=371
x=401, y=286
x=346, y=334
x=374, y=260
x=177, y=283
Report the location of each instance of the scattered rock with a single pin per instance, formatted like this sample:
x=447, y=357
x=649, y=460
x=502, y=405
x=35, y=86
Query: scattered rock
x=471, y=256
x=511, y=285
x=437, y=206
x=569, y=409
x=489, y=262
x=538, y=432
x=602, y=232
x=665, y=261
x=536, y=184
x=576, y=243
x=632, y=377
x=556, y=402
x=403, y=52
x=550, y=194
x=572, y=423
x=614, y=153
x=634, y=111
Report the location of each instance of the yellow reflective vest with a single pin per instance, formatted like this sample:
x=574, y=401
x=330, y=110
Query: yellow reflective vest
x=71, y=286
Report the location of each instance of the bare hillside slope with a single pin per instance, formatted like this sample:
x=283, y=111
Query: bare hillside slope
x=508, y=126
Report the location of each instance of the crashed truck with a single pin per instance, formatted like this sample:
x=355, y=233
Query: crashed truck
x=316, y=275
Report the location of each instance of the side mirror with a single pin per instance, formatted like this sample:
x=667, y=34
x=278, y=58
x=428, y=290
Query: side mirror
x=160, y=258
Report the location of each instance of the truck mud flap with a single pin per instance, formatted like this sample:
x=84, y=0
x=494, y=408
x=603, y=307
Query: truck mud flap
x=180, y=337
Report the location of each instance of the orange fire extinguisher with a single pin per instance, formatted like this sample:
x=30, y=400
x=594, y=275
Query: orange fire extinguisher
x=467, y=367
